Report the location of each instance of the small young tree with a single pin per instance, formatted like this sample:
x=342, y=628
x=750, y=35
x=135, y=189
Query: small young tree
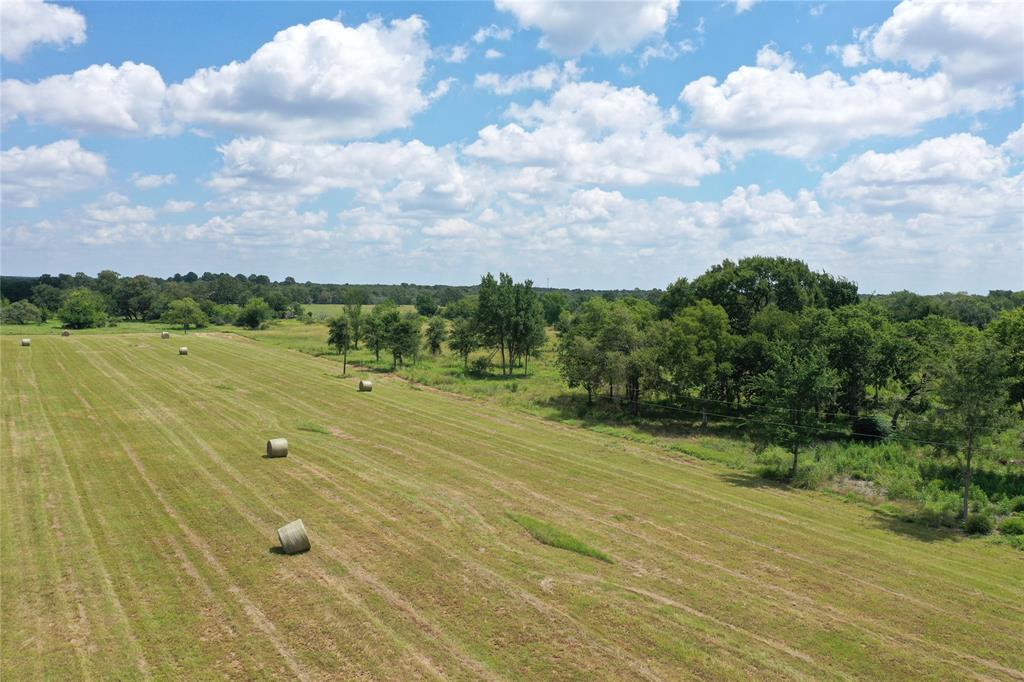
x=83, y=308
x=800, y=381
x=354, y=313
x=437, y=331
x=185, y=312
x=462, y=339
x=255, y=314
x=970, y=401
x=340, y=336
x=581, y=363
x=403, y=339
x=374, y=333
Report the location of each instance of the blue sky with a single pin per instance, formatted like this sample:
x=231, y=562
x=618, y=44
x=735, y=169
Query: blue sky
x=581, y=144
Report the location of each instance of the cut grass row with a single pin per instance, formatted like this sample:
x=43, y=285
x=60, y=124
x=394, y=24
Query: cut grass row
x=133, y=483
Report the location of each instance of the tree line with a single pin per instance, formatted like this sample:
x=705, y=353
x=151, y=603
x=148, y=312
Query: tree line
x=803, y=357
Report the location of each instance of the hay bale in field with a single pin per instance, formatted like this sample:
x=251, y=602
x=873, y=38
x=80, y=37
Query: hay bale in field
x=65, y=333
x=26, y=342
x=293, y=537
x=365, y=385
x=183, y=350
x=165, y=335
x=277, y=447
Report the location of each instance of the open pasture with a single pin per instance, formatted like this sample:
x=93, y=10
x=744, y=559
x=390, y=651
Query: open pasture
x=139, y=518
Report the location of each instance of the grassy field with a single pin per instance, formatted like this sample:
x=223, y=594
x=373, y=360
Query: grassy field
x=138, y=539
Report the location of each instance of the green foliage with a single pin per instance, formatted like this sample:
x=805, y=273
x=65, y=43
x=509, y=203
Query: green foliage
x=185, y=313
x=1008, y=332
x=553, y=303
x=437, y=332
x=1013, y=525
x=22, y=312
x=83, y=308
x=870, y=428
x=403, y=339
x=799, y=383
x=47, y=297
x=339, y=335
x=254, y=314
x=552, y=536
x=979, y=524
x=426, y=305
x=462, y=339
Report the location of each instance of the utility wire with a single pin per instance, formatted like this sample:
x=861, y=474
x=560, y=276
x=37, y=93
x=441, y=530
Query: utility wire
x=786, y=424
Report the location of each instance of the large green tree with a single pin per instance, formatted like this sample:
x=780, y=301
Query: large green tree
x=84, y=308
x=185, y=312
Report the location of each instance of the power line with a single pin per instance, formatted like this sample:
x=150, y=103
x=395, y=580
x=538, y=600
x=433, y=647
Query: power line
x=786, y=409
x=817, y=429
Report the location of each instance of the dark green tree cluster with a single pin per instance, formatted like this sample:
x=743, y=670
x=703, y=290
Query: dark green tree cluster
x=801, y=357
x=509, y=319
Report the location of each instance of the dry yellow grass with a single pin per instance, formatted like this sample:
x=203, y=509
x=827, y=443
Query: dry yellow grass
x=139, y=519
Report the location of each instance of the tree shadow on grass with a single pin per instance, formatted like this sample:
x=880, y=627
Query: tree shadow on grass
x=654, y=421
x=914, y=529
x=754, y=480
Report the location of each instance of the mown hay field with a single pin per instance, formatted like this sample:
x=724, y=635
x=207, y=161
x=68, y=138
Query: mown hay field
x=139, y=517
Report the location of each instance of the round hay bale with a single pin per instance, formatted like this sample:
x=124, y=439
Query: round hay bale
x=365, y=385
x=26, y=342
x=65, y=333
x=183, y=350
x=165, y=335
x=277, y=447
x=293, y=537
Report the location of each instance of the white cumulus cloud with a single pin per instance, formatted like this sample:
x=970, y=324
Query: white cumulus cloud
x=973, y=42
x=773, y=107
x=571, y=28
x=31, y=174
x=542, y=78
x=100, y=99
x=318, y=81
x=153, y=181
x=26, y=23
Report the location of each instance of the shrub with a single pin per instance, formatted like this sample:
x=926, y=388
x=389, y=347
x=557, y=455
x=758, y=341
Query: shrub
x=870, y=427
x=255, y=314
x=939, y=506
x=979, y=524
x=23, y=312
x=83, y=308
x=1012, y=526
x=480, y=366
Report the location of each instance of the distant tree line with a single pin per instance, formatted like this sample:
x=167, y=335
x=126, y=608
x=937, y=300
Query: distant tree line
x=804, y=357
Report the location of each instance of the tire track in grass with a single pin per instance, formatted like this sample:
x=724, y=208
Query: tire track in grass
x=28, y=607
x=882, y=588
x=689, y=556
x=307, y=408
x=252, y=612
x=60, y=573
x=140, y=596
x=255, y=408
x=251, y=518
x=366, y=576
x=971, y=596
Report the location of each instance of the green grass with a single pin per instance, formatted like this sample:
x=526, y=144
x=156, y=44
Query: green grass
x=311, y=427
x=138, y=517
x=549, y=535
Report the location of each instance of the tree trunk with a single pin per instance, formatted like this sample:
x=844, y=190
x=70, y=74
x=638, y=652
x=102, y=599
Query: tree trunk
x=590, y=395
x=967, y=475
x=344, y=363
x=796, y=457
